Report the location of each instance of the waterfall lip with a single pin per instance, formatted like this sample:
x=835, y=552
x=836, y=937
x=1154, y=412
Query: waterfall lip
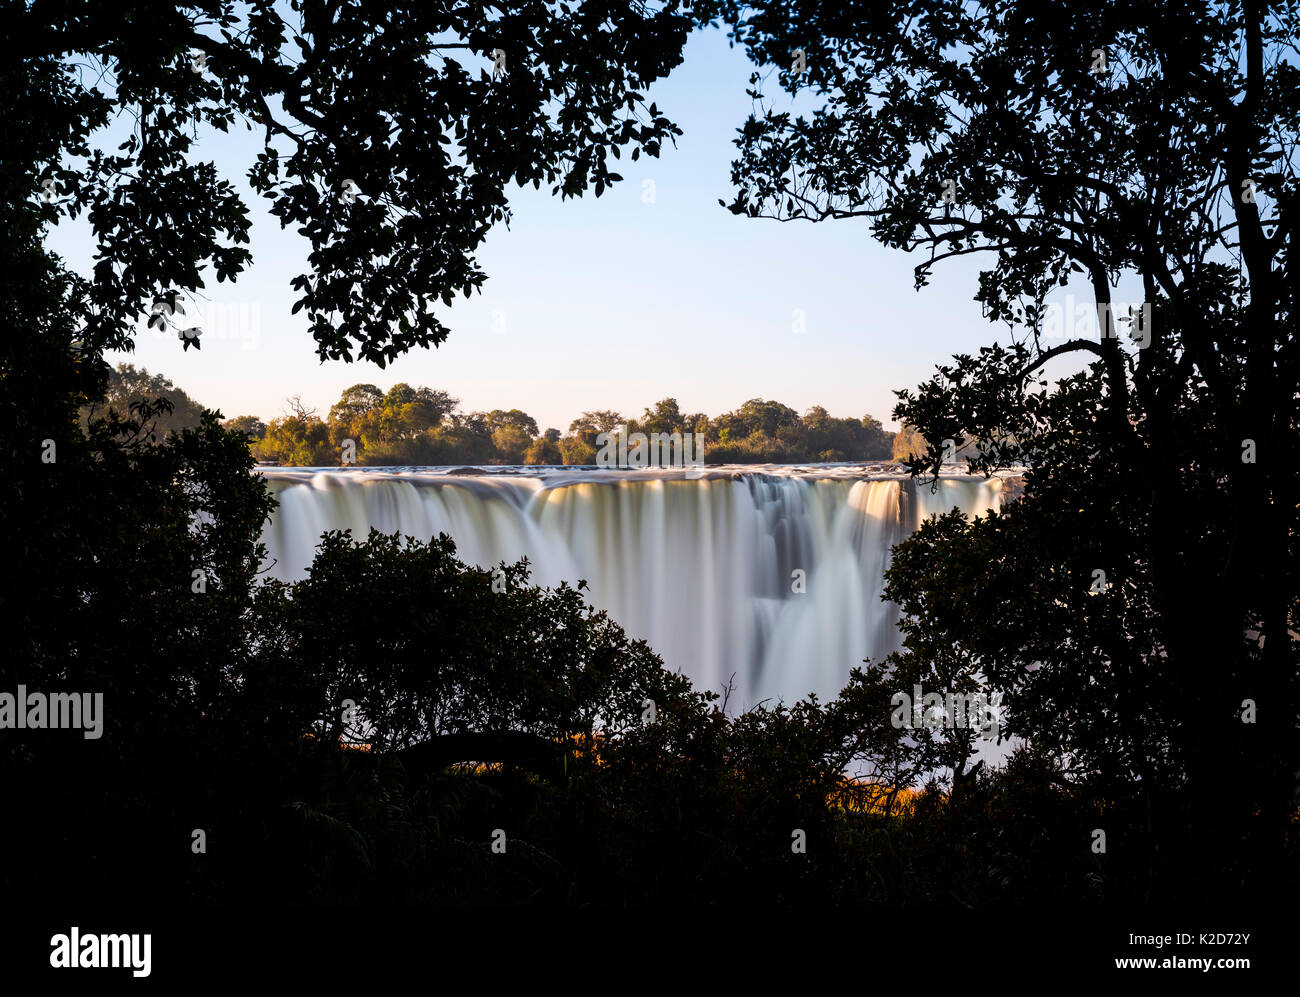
x=556, y=476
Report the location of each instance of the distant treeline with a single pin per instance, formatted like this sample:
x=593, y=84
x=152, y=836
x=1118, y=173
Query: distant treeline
x=127, y=385
x=408, y=425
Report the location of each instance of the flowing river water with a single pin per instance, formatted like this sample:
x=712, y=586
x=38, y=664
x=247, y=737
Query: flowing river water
x=771, y=575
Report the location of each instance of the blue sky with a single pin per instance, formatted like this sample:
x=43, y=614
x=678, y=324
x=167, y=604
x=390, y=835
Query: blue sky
x=610, y=303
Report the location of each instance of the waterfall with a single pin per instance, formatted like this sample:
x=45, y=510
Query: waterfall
x=770, y=575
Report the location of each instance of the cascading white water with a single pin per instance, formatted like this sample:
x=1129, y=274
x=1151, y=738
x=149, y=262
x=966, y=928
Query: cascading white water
x=770, y=575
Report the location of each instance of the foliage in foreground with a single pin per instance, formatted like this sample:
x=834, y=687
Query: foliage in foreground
x=485, y=704
x=1170, y=465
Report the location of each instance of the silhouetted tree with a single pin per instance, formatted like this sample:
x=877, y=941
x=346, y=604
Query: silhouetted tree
x=1156, y=143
